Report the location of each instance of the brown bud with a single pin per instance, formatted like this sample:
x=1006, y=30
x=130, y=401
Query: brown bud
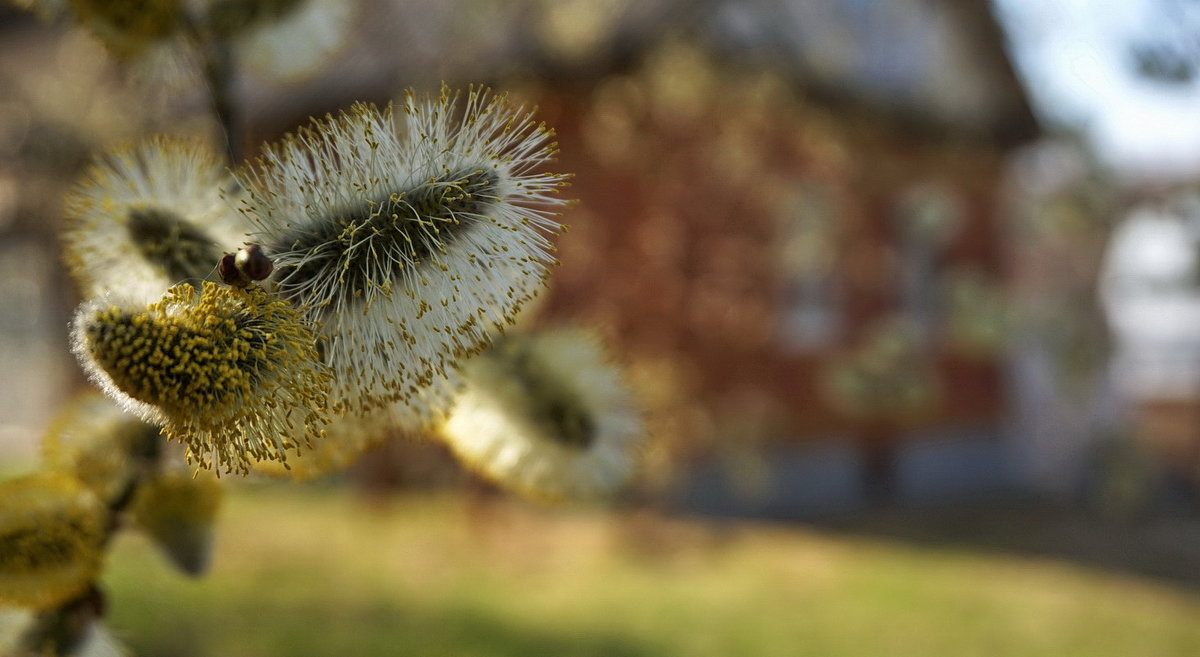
x=228, y=271
x=254, y=263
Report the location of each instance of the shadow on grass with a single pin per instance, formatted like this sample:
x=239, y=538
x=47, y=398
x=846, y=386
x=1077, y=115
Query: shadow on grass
x=314, y=628
x=1164, y=547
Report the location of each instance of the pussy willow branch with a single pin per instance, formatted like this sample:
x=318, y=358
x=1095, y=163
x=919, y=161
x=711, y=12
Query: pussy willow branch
x=60, y=630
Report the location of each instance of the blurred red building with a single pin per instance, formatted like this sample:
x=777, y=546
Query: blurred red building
x=749, y=228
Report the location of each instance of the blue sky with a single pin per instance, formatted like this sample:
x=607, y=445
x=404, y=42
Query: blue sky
x=1074, y=57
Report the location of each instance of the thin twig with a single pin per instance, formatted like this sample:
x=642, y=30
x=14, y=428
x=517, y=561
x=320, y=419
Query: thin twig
x=219, y=74
x=220, y=77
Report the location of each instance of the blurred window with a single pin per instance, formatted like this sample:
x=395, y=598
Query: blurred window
x=811, y=314
x=929, y=216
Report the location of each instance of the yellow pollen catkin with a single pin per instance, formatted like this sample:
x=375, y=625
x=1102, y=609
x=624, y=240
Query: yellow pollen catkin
x=233, y=373
x=93, y=439
x=51, y=532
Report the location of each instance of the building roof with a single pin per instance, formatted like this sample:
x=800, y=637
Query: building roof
x=936, y=66
x=933, y=67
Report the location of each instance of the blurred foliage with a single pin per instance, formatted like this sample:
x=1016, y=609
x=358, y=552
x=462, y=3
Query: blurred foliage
x=887, y=375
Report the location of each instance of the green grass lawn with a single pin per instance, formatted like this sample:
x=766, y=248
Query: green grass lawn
x=310, y=571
